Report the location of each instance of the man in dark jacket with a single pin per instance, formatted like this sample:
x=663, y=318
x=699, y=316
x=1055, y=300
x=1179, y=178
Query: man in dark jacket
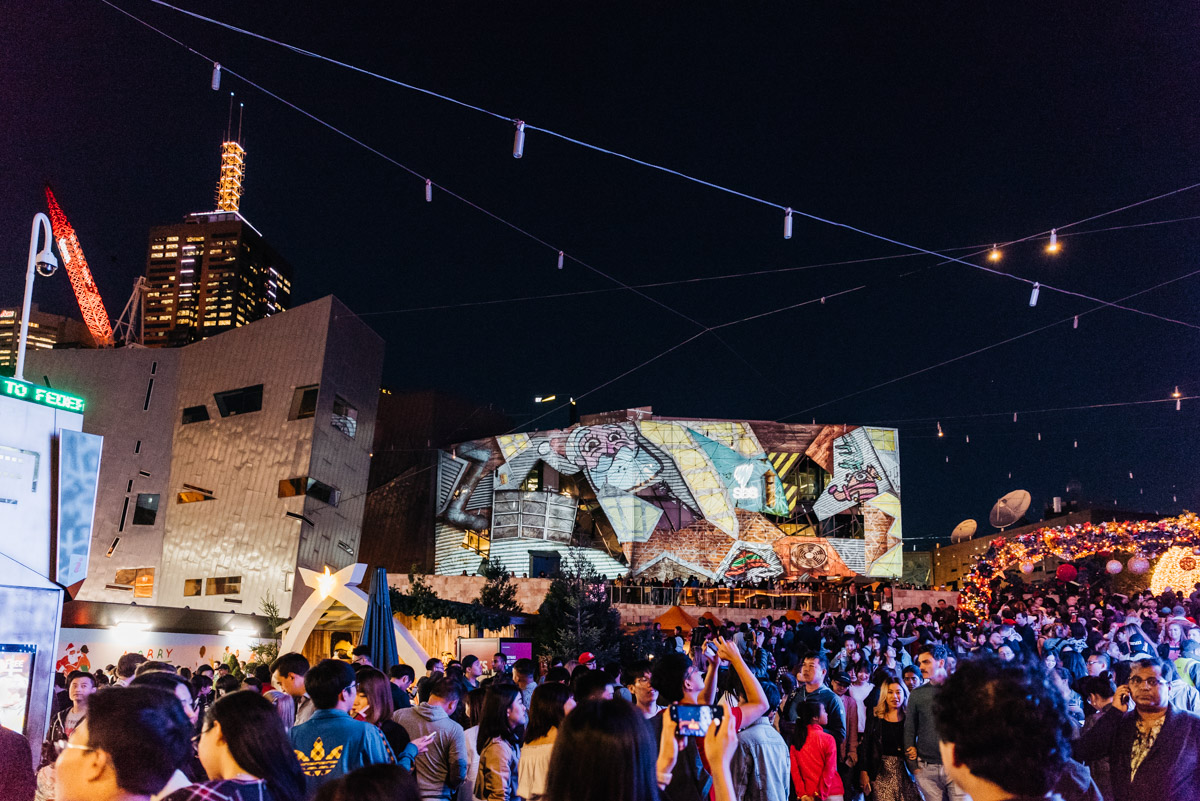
x=1153, y=748
x=16, y=766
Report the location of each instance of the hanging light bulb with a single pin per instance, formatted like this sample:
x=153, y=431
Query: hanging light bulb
x=1053, y=247
x=560, y=259
x=947, y=460
x=1176, y=393
x=1014, y=417
x=994, y=255
x=1131, y=474
x=940, y=434
x=216, y=79
x=787, y=223
x=1076, y=443
x=1076, y=323
x=1033, y=296
x=968, y=438
x=519, y=139
x=428, y=190
x=1039, y=436
x=1178, y=404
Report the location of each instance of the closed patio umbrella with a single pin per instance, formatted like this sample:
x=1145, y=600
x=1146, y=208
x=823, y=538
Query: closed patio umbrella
x=378, y=633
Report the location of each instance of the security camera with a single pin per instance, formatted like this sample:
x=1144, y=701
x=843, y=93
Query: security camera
x=46, y=264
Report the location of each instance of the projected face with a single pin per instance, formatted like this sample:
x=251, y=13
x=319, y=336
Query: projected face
x=612, y=457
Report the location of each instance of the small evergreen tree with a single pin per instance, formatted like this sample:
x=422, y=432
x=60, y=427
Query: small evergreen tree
x=576, y=615
x=498, y=591
x=268, y=652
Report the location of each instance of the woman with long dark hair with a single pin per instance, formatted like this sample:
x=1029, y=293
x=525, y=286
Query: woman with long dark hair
x=548, y=706
x=245, y=753
x=500, y=728
x=373, y=704
x=814, y=755
x=881, y=766
x=605, y=751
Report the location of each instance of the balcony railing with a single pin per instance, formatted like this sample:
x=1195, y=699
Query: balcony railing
x=807, y=599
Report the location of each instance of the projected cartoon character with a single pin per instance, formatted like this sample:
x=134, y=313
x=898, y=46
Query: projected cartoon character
x=861, y=485
x=612, y=457
x=74, y=658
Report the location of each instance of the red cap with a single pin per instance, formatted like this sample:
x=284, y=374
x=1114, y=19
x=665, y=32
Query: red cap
x=585, y=657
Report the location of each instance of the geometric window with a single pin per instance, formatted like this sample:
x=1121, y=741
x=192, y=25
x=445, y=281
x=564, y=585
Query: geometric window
x=146, y=510
x=193, y=586
x=193, y=494
x=225, y=585
x=195, y=414
x=304, y=403
x=345, y=416
x=141, y=579
x=292, y=487
x=239, y=401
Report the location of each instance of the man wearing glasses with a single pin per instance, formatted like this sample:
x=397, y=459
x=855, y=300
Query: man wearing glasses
x=127, y=748
x=1153, y=748
x=331, y=744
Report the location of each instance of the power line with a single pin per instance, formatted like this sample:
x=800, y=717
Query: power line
x=977, y=351
x=700, y=181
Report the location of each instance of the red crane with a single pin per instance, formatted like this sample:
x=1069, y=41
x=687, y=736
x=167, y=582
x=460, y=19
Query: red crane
x=90, y=304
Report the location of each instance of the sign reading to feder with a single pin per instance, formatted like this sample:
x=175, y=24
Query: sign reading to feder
x=23, y=390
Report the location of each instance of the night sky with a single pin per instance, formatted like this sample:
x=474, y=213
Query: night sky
x=939, y=124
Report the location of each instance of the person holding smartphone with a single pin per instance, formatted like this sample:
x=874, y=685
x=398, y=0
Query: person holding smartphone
x=683, y=769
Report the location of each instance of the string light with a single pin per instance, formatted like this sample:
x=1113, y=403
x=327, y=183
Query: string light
x=1033, y=296
x=519, y=139
x=1039, y=436
x=787, y=223
x=428, y=190
x=216, y=79
x=1176, y=393
x=1014, y=417
x=968, y=438
x=1178, y=404
x=994, y=255
x=1169, y=539
x=560, y=259
x=939, y=427
x=1076, y=323
x=1053, y=247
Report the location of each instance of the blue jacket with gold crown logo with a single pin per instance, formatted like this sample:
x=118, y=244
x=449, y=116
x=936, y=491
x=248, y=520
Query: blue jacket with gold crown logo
x=330, y=744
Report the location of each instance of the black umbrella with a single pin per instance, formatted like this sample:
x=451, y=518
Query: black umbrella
x=378, y=633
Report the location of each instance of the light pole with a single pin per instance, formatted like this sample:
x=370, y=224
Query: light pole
x=44, y=262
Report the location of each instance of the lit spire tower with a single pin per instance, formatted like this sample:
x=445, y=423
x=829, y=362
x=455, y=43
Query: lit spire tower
x=233, y=166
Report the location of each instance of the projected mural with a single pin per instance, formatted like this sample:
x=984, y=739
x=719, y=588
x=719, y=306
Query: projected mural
x=666, y=498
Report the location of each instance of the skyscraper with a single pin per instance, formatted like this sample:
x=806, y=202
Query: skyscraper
x=212, y=272
x=45, y=331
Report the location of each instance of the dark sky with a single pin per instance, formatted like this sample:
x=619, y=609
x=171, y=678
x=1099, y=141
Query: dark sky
x=941, y=124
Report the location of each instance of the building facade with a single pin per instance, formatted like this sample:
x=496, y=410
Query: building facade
x=667, y=498
x=230, y=462
x=46, y=331
x=210, y=274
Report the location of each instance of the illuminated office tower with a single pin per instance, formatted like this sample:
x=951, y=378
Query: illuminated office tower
x=212, y=272
x=46, y=331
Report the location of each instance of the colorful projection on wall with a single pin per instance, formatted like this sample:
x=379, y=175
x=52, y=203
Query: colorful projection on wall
x=714, y=499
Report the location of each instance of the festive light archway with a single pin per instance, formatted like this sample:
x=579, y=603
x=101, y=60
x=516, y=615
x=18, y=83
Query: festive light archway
x=1176, y=539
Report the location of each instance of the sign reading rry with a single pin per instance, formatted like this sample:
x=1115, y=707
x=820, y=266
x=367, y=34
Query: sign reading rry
x=23, y=390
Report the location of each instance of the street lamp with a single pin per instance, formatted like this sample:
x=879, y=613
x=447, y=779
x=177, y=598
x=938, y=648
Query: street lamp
x=45, y=264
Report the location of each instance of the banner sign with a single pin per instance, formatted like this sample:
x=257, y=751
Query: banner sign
x=23, y=390
x=78, y=476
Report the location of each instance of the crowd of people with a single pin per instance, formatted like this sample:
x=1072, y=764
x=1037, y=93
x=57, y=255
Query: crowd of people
x=1062, y=692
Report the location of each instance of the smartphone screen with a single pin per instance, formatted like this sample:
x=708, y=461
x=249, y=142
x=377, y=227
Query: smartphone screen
x=693, y=720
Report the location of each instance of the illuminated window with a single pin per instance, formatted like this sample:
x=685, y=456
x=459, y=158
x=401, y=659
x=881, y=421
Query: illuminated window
x=193, y=494
x=193, y=587
x=239, y=401
x=146, y=510
x=304, y=403
x=345, y=416
x=303, y=485
x=141, y=579
x=224, y=585
x=479, y=542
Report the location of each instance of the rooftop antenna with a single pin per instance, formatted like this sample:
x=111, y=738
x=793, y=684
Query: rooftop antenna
x=241, y=111
x=229, y=119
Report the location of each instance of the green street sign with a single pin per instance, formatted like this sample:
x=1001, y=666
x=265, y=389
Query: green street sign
x=23, y=390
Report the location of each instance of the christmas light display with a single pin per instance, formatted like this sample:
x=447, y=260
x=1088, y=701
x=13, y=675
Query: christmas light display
x=1178, y=569
x=1174, y=539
